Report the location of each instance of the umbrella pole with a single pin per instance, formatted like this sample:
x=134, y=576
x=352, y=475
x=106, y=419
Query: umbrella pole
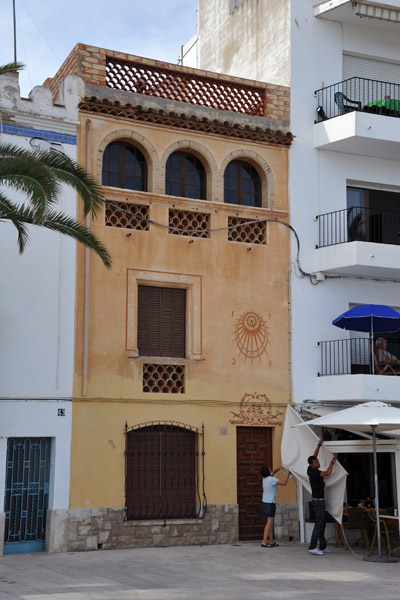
x=374, y=557
x=372, y=346
x=378, y=523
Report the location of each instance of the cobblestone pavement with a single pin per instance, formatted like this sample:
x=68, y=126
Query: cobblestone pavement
x=236, y=572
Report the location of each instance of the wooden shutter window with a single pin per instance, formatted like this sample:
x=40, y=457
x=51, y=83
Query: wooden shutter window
x=161, y=321
x=161, y=473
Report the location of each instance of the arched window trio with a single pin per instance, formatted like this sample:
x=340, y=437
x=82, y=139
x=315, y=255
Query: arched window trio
x=124, y=166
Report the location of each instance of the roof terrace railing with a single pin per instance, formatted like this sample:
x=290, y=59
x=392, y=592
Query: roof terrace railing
x=184, y=87
x=358, y=94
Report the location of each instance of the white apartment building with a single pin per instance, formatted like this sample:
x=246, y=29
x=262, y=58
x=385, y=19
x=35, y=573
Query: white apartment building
x=341, y=60
x=37, y=308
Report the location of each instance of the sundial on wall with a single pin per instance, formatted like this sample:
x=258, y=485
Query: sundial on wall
x=251, y=334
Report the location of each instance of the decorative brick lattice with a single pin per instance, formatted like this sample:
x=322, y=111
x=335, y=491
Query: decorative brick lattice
x=247, y=231
x=166, y=379
x=184, y=222
x=183, y=87
x=127, y=216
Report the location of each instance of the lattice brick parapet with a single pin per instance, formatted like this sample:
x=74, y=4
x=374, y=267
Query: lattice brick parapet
x=246, y=231
x=167, y=379
x=183, y=87
x=184, y=222
x=127, y=216
x=195, y=86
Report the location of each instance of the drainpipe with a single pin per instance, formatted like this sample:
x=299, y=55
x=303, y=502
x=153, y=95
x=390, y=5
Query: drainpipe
x=88, y=132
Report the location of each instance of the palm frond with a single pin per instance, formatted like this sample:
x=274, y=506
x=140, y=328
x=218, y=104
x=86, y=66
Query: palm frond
x=27, y=174
x=39, y=174
x=21, y=215
x=70, y=172
x=58, y=221
x=9, y=211
x=10, y=67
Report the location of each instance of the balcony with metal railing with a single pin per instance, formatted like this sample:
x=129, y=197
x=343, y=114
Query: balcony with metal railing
x=360, y=116
x=359, y=224
x=351, y=370
x=354, y=241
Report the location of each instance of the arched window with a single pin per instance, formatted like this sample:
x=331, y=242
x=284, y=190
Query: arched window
x=185, y=176
x=124, y=166
x=242, y=184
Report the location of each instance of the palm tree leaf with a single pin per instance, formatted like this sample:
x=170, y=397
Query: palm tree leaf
x=21, y=215
x=70, y=172
x=39, y=174
x=9, y=211
x=11, y=67
x=58, y=221
x=22, y=170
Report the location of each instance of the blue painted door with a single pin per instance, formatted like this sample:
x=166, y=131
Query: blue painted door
x=26, y=495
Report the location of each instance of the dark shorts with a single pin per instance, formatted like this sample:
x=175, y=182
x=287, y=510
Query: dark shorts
x=269, y=509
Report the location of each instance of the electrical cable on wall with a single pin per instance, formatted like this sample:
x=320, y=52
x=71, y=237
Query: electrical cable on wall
x=228, y=227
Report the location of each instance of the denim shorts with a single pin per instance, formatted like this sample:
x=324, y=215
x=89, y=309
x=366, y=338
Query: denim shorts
x=269, y=509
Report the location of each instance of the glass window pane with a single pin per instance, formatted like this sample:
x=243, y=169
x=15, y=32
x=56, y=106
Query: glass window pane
x=175, y=161
x=114, y=180
x=175, y=189
x=230, y=197
x=129, y=182
x=114, y=165
x=129, y=168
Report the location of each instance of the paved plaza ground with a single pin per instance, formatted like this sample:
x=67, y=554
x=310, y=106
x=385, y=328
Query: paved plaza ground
x=237, y=572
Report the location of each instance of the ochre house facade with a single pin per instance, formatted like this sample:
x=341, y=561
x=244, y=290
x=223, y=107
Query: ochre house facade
x=182, y=348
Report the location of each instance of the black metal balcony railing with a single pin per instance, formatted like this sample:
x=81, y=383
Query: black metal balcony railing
x=359, y=224
x=353, y=356
x=358, y=94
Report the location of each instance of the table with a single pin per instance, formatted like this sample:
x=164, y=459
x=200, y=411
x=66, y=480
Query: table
x=383, y=106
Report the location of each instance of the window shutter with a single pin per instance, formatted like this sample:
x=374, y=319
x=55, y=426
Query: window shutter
x=179, y=323
x=161, y=321
x=155, y=320
x=143, y=321
x=379, y=70
x=160, y=473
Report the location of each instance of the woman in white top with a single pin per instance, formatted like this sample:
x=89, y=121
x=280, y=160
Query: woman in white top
x=268, y=503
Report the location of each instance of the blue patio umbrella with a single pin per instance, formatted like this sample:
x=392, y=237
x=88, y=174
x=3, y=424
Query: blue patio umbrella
x=371, y=318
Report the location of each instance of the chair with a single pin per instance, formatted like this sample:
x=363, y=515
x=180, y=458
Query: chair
x=382, y=367
x=384, y=530
x=345, y=104
x=357, y=520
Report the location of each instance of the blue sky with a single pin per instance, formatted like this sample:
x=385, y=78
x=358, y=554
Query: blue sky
x=47, y=30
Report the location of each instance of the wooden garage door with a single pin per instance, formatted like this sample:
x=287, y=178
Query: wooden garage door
x=254, y=449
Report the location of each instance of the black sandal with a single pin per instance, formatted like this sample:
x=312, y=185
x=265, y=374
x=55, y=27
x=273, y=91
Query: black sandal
x=264, y=546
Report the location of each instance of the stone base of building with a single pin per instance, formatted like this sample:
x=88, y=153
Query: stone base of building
x=105, y=529
x=286, y=525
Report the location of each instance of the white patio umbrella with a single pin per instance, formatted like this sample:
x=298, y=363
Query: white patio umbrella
x=375, y=417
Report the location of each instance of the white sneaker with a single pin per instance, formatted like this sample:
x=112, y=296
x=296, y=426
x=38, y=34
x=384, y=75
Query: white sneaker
x=326, y=551
x=316, y=551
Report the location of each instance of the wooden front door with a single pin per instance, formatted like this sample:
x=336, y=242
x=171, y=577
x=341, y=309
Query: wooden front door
x=254, y=449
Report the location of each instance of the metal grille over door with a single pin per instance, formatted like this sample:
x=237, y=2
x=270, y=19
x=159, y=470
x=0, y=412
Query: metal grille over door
x=254, y=449
x=26, y=494
x=164, y=476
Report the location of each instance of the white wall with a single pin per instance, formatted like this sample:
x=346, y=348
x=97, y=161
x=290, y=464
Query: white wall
x=251, y=41
x=37, y=297
x=40, y=419
x=37, y=304
x=318, y=184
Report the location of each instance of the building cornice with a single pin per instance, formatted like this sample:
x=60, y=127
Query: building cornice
x=190, y=122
